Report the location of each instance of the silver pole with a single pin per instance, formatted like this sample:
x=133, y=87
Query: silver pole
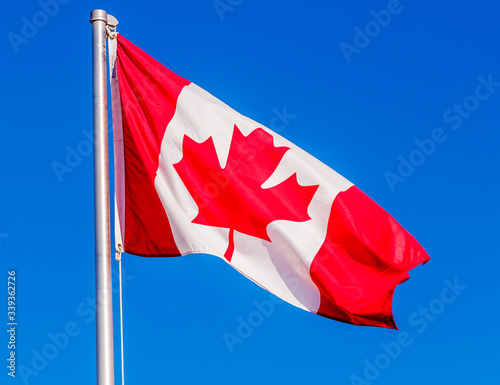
x=104, y=304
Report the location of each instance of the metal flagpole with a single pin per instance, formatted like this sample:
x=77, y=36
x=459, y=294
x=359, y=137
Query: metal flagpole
x=104, y=305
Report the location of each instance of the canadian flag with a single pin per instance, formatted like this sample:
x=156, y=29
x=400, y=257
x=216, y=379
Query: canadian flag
x=195, y=176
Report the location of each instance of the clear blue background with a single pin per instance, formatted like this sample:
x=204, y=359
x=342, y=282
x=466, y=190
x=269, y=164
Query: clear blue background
x=357, y=117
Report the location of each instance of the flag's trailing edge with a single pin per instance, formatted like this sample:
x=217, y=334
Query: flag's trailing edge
x=195, y=176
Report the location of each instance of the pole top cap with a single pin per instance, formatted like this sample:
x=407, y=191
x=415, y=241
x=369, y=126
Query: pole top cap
x=98, y=14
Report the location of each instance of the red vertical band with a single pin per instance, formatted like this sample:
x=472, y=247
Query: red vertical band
x=366, y=254
x=149, y=93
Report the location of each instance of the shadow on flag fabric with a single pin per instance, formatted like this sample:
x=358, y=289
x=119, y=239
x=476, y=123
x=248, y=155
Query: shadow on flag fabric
x=195, y=176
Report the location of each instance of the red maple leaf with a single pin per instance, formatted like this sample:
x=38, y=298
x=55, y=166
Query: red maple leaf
x=232, y=197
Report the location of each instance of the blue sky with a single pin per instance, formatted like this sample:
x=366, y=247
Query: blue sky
x=400, y=97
